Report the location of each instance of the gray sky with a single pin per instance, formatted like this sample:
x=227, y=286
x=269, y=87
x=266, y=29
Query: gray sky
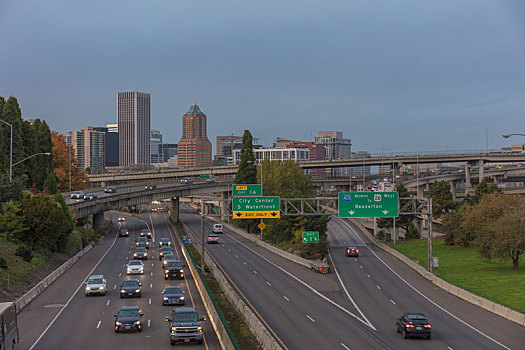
x=405, y=75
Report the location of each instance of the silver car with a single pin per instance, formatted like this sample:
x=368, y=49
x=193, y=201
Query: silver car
x=135, y=267
x=96, y=284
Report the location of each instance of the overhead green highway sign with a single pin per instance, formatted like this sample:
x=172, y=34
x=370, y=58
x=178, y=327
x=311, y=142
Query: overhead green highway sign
x=310, y=237
x=368, y=205
x=246, y=190
x=256, y=207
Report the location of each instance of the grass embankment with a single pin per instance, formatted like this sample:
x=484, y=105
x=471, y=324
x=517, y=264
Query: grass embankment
x=463, y=267
x=241, y=332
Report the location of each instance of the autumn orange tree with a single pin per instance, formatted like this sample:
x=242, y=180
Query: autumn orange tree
x=61, y=157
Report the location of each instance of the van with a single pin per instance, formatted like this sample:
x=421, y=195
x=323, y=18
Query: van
x=217, y=228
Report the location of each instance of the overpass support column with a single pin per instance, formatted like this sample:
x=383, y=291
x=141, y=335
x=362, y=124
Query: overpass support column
x=174, y=209
x=420, y=191
x=495, y=179
x=98, y=221
x=224, y=205
x=453, y=189
x=468, y=184
x=481, y=170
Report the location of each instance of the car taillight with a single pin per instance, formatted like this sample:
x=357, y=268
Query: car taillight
x=357, y=250
x=427, y=326
x=409, y=326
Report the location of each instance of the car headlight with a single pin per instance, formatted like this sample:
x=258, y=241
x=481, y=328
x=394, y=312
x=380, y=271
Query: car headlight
x=117, y=323
x=122, y=291
x=135, y=254
x=199, y=329
x=137, y=322
x=137, y=290
x=137, y=243
x=88, y=288
x=173, y=329
x=165, y=298
x=145, y=254
x=181, y=270
x=167, y=271
x=181, y=298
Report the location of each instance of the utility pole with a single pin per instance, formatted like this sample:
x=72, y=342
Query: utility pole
x=202, y=236
x=69, y=168
x=430, y=243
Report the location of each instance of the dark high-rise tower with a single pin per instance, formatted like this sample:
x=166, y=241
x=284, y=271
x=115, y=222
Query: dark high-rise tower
x=194, y=148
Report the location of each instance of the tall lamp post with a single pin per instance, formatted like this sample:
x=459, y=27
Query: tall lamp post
x=31, y=156
x=10, y=151
x=509, y=135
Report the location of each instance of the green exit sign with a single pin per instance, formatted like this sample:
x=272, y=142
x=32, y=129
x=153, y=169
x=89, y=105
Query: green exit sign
x=204, y=176
x=368, y=205
x=246, y=190
x=310, y=237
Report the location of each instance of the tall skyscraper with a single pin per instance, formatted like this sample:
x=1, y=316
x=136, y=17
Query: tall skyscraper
x=194, y=148
x=89, y=145
x=134, y=120
x=112, y=145
x=156, y=147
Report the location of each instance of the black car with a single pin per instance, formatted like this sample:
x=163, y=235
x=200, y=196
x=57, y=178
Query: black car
x=145, y=233
x=414, y=324
x=129, y=318
x=142, y=242
x=169, y=257
x=186, y=180
x=150, y=187
x=173, y=269
x=130, y=288
x=110, y=189
x=140, y=254
x=90, y=196
x=165, y=250
x=172, y=296
x=123, y=232
x=164, y=242
x=352, y=251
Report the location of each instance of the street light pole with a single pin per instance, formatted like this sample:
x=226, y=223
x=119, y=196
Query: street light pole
x=10, y=151
x=31, y=156
x=509, y=135
x=262, y=160
x=69, y=168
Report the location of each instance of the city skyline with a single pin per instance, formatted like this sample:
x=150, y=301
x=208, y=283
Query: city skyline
x=441, y=75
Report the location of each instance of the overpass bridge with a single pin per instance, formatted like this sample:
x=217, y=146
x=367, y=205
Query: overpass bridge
x=469, y=159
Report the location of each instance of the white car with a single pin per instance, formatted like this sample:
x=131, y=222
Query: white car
x=96, y=284
x=135, y=267
x=217, y=228
x=213, y=239
x=77, y=195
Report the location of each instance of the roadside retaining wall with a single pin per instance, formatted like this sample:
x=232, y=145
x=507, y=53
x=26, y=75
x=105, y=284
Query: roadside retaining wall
x=486, y=304
x=218, y=326
x=261, y=333
x=40, y=286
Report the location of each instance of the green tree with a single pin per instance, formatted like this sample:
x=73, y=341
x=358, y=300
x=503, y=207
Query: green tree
x=50, y=185
x=456, y=233
x=498, y=223
x=247, y=172
x=442, y=200
x=12, y=223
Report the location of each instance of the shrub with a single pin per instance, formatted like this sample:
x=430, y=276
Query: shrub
x=24, y=252
x=381, y=235
x=3, y=263
x=413, y=232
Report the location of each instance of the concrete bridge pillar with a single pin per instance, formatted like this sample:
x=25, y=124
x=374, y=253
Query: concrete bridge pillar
x=495, y=179
x=98, y=221
x=468, y=184
x=420, y=191
x=224, y=204
x=453, y=189
x=174, y=209
x=481, y=170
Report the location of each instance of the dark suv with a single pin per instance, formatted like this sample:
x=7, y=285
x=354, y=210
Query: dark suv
x=145, y=233
x=123, y=232
x=130, y=288
x=173, y=269
x=129, y=318
x=164, y=251
x=185, y=325
x=412, y=324
x=142, y=242
x=140, y=254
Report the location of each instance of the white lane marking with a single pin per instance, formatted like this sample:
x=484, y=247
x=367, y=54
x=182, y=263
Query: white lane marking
x=284, y=296
x=423, y=295
x=151, y=264
x=151, y=285
x=378, y=286
x=115, y=286
x=313, y=289
x=98, y=324
x=344, y=346
x=76, y=291
x=255, y=272
x=393, y=302
x=367, y=275
x=361, y=266
x=120, y=274
x=311, y=319
x=366, y=321
x=149, y=322
x=129, y=252
x=268, y=283
x=236, y=256
x=244, y=262
x=448, y=347
x=123, y=265
x=150, y=301
x=152, y=273
x=108, y=302
x=229, y=250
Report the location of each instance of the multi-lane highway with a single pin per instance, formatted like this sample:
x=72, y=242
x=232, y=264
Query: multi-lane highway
x=64, y=318
x=379, y=289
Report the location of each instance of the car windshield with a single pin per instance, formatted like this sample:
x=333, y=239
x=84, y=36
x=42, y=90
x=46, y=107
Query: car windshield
x=416, y=317
x=173, y=290
x=142, y=239
x=185, y=317
x=352, y=248
x=165, y=240
x=123, y=230
x=134, y=262
x=140, y=250
x=95, y=281
x=166, y=249
x=174, y=264
x=128, y=313
x=130, y=283
x=212, y=236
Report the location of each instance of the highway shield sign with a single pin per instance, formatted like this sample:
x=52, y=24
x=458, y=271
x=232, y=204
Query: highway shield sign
x=368, y=205
x=246, y=190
